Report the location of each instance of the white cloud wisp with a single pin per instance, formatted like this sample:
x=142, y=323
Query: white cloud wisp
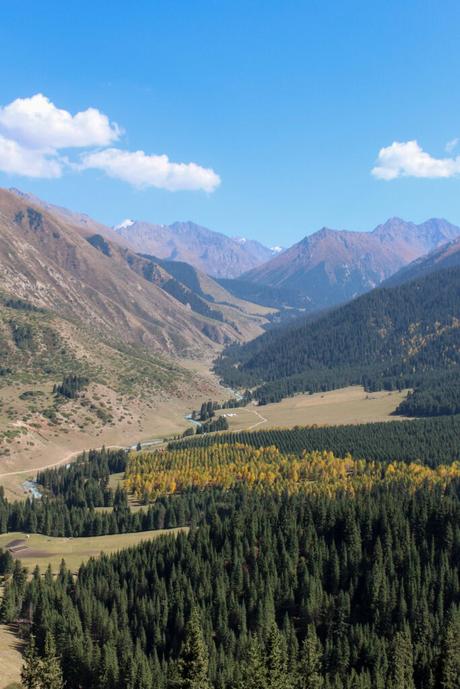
x=408, y=159
x=452, y=145
x=142, y=170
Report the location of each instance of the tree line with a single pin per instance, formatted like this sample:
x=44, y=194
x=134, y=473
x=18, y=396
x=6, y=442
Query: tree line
x=436, y=397
x=73, y=494
x=431, y=441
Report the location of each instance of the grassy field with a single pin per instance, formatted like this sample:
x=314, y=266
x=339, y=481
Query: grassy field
x=30, y=446
x=45, y=550
x=10, y=658
x=347, y=405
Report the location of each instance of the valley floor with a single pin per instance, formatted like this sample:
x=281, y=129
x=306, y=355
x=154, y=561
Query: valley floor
x=351, y=405
x=347, y=405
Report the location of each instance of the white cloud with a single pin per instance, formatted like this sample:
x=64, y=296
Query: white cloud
x=142, y=170
x=408, y=159
x=452, y=145
x=33, y=132
x=37, y=123
x=19, y=160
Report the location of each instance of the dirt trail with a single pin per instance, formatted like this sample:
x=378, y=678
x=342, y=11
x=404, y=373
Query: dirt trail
x=70, y=455
x=259, y=423
x=252, y=426
x=64, y=460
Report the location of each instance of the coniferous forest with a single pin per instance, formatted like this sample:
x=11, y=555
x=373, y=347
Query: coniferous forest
x=431, y=441
x=309, y=558
x=297, y=571
x=289, y=591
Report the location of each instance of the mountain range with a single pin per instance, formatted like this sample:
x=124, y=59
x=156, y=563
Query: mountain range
x=211, y=252
x=97, y=291
x=332, y=266
x=324, y=269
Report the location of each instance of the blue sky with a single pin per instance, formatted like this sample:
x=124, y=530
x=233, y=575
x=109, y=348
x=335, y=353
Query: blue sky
x=287, y=104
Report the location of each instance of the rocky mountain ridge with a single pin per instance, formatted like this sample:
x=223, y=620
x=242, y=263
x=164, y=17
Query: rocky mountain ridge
x=333, y=266
x=209, y=251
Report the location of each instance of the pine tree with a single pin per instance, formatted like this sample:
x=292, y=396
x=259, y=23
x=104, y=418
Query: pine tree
x=402, y=667
x=108, y=670
x=8, y=604
x=310, y=662
x=194, y=657
x=255, y=673
x=50, y=670
x=450, y=658
x=276, y=661
x=30, y=672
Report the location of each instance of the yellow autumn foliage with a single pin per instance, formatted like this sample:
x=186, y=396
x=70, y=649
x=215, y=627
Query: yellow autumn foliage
x=153, y=473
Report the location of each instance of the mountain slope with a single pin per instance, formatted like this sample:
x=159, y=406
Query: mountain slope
x=447, y=256
x=267, y=295
x=211, y=252
x=333, y=266
x=387, y=338
x=80, y=222
x=46, y=261
x=77, y=267
x=74, y=301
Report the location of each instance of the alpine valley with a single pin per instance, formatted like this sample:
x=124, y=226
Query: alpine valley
x=230, y=433
x=225, y=466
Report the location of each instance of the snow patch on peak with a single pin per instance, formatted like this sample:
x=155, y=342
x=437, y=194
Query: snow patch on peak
x=276, y=249
x=123, y=225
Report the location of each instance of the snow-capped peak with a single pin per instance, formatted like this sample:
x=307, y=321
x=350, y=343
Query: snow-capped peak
x=276, y=249
x=241, y=240
x=123, y=225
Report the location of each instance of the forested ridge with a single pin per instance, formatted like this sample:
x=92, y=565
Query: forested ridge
x=389, y=338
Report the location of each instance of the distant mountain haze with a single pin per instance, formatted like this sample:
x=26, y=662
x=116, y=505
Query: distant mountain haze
x=324, y=269
x=212, y=252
